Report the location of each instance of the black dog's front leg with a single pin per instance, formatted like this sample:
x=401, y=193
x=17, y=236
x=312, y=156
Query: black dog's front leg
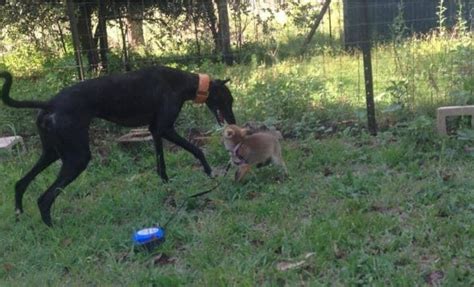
x=171, y=135
x=160, y=157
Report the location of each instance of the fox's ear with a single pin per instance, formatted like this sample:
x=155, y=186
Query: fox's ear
x=245, y=131
x=228, y=133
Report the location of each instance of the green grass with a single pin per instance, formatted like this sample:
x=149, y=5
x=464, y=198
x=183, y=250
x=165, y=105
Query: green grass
x=396, y=209
x=373, y=210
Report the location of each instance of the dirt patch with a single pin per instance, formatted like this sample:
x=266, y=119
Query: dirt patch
x=8, y=267
x=393, y=211
x=434, y=278
x=162, y=259
x=257, y=242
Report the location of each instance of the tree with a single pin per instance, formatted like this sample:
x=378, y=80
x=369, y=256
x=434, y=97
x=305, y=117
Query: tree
x=224, y=32
x=75, y=38
x=101, y=34
x=212, y=22
x=134, y=23
x=86, y=39
x=16, y=18
x=317, y=21
x=90, y=24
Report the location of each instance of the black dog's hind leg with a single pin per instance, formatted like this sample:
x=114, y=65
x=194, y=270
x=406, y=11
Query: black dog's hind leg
x=73, y=166
x=48, y=156
x=160, y=157
x=46, y=159
x=73, y=148
x=175, y=138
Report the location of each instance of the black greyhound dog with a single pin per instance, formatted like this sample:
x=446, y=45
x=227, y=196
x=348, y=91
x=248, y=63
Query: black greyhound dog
x=152, y=96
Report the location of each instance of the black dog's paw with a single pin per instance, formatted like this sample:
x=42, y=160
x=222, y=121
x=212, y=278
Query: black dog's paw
x=209, y=172
x=46, y=217
x=164, y=178
x=45, y=211
x=218, y=173
x=18, y=213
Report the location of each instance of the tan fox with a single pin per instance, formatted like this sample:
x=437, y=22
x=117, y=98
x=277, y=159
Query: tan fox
x=246, y=150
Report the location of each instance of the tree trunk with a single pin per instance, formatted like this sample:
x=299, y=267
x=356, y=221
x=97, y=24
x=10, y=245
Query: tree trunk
x=315, y=26
x=241, y=28
x=238, y=22
x=84, y=27
x=212, y=20
x=75, y=37
x=134, y=22
x=61, y=37
x=101, y=33
x=196, y=33
x=123, y=32
x=224, y=32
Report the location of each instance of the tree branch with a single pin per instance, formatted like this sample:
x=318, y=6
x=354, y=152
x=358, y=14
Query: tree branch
x=315, y=26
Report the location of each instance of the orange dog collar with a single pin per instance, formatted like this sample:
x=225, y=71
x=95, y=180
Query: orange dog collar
x=203, y=89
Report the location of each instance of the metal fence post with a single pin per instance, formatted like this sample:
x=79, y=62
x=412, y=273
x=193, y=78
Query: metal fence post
x=366, y=47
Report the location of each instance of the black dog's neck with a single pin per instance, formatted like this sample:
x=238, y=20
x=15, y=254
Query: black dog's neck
x=184, y=84
x=191, y=92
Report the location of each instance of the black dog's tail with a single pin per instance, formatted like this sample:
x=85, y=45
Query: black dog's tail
x=17, y=104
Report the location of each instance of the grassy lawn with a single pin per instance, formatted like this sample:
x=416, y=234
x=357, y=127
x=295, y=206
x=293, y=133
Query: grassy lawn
x=396, y=209
x=363, y=210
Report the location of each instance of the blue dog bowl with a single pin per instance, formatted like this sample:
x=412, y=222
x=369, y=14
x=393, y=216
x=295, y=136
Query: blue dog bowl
x=149, y=238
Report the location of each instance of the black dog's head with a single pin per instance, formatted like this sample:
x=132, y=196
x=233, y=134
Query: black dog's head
x=220, y=102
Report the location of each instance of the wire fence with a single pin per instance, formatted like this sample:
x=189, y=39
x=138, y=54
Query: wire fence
x=418, y=46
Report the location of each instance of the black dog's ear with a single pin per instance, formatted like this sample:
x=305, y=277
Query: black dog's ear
x=222, y=82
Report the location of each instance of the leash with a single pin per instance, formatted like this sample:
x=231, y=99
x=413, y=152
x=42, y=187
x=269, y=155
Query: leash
x=149, y=238
x=173, y=215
